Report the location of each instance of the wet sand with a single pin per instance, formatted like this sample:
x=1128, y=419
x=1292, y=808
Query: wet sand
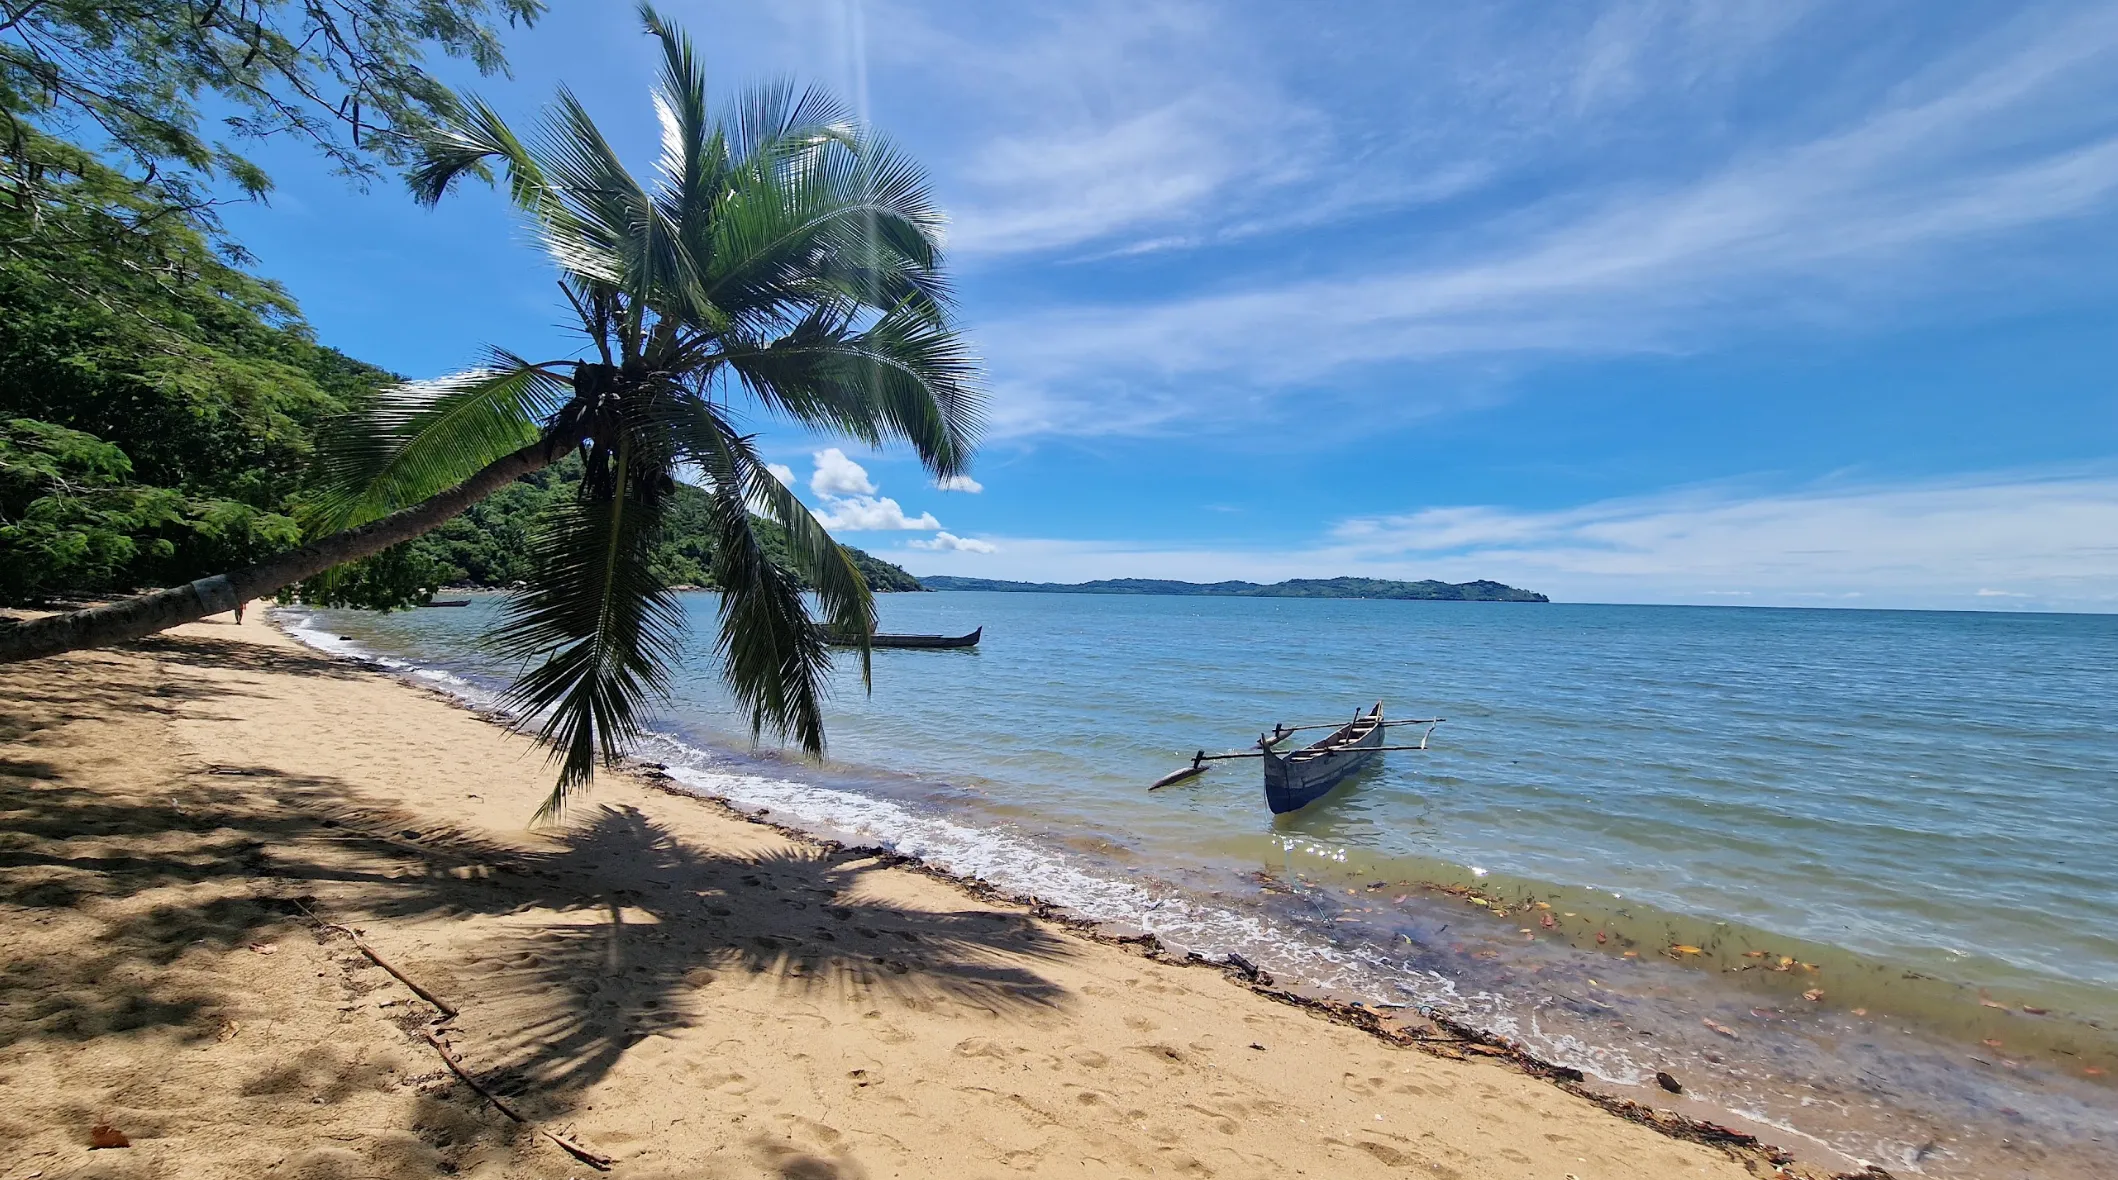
x=197, y=829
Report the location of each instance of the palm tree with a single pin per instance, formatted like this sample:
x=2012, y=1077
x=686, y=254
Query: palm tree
x=784, y=259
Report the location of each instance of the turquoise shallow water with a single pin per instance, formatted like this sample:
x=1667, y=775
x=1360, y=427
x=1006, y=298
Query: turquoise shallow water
x=1921, y=804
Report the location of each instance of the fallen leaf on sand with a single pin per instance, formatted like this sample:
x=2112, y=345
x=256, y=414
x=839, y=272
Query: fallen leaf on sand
x=264, y=948
x=1755, y=954
x=2035, y=1011
x=105, y=1135
x=2092, y=1071
x=1723, y=1029
x=1543, y=906
x=1991, y=1042
x=227, y=1030
x=1687, y=950
x=1631, y=954
x=1860, y=1012
x=1813, y=994
x=1991, y=1004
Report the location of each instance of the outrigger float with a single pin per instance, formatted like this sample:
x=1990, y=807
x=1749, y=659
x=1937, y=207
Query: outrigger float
x=1297, y=779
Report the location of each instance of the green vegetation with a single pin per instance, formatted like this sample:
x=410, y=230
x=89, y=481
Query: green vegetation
x=490, y=545
x=157, y=405
x=1426, y=591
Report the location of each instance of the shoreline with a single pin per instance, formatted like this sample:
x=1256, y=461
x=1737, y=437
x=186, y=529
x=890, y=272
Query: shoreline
x=1964, y=1117
x=286, y=689
x=2047, y=1024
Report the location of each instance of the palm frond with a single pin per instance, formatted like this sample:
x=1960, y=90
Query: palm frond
x=773, y=656
x=837, y=217
x=602, y=223
x=423, y=437
x=464, y=146
x=773, y=125
x=903, y=378
x=604, y=627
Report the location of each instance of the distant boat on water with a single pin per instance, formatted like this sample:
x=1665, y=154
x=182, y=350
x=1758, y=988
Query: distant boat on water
x=925, y=641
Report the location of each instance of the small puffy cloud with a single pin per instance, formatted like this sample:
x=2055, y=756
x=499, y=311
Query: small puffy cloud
x=953, y=543
x=837, y=475
x=871, y=513
x=959, y=483
x=781, y=472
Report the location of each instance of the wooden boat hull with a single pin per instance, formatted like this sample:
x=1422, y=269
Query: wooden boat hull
x=1295, y=780
x=913, y=641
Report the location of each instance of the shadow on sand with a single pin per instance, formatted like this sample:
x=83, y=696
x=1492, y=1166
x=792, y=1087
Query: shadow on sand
x=618, y=923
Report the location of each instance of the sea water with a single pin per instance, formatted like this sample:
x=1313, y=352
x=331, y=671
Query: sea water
x=1851, y=875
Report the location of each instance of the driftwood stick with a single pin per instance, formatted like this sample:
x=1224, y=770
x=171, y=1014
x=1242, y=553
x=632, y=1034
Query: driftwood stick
x=447, y=1009
x=600, y=1163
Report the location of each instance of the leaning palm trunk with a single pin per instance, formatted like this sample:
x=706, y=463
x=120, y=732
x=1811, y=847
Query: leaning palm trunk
x=146, y=614
x=781, y=256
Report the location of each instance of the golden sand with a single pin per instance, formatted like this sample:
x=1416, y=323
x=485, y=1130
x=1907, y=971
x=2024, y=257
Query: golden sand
x=659, y=981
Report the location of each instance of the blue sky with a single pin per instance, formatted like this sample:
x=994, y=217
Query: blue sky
x=1772, y=303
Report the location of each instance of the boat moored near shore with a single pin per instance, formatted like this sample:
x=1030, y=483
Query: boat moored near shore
x=1295, y=780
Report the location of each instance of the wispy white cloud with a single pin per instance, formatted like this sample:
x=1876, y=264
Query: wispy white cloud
x=2050, y=541
x=950, y=542
x=781, y=472
x=1850, y=225
x=959, y=483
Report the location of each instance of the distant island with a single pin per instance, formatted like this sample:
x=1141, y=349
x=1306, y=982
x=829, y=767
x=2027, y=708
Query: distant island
x=1426, y=591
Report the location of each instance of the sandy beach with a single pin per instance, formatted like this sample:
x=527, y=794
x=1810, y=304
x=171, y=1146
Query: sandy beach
x=214, y=841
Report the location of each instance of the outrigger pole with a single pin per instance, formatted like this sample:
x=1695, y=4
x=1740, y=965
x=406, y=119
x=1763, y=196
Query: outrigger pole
x=1282, y=731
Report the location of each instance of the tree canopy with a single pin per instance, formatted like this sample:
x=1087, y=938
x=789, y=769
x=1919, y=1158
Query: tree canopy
x=140, y=80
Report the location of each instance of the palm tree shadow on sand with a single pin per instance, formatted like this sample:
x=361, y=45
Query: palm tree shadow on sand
x=613, y=935
x=634, y=954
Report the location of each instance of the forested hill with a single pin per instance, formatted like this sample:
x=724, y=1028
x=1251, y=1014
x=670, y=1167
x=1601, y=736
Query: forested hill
x=490, y=544
x=1426, y=591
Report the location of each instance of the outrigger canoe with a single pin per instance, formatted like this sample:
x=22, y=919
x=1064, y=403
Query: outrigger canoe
x=881, y=640
x=1295, y=779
